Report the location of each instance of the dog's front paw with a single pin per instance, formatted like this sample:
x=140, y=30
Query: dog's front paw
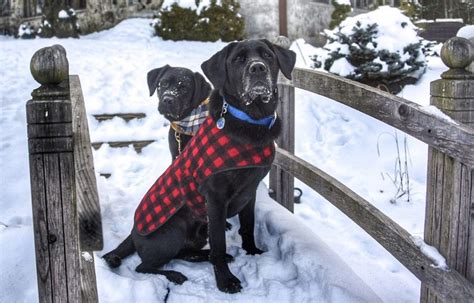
x=230, y=284
x=112, y=260
x=229, y=258
x=253, y=250
x=176, y=277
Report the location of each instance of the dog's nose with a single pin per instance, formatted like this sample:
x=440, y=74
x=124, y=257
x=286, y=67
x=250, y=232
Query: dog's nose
x=257, y=68
x=167, y=100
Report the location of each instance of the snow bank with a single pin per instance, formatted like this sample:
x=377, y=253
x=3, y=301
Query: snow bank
x=296, y=267
x=188, y=4
x=344, y=2
x=466, y=32
x=112, y=66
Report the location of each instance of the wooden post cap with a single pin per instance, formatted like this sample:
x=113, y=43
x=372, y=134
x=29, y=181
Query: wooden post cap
x=49, y=65
x=457, y=53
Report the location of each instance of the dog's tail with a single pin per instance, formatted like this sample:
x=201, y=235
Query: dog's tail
x=125, y=249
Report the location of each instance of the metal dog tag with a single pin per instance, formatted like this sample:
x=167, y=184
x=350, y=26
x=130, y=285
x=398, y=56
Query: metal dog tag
x=220, y=123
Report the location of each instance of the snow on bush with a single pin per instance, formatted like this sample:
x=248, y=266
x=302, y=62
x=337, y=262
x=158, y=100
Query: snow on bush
x=63, y=14
x=199, y=20
x=381, y=47
x=26, y=31
x=60, y=22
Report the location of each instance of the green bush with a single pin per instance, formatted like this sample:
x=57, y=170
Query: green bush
x=176, y=23
x=60, y=22
x=214, y=22
x=366, y=61
x=341, y=11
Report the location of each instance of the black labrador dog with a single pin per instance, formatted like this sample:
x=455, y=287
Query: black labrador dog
x=219, y=171
x=182, y=99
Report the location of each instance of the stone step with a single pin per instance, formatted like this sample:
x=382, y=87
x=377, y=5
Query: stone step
x=137, y=145
x=125, y=116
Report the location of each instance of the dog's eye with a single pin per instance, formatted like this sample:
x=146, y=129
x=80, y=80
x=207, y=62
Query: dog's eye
x=239, y=58
x=164, y=84
x=267, y=55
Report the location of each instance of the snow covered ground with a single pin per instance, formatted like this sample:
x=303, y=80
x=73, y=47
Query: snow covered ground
x=314, y=256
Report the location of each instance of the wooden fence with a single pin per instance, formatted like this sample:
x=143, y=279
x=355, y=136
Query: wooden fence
x=449, y=218
x=66, y=213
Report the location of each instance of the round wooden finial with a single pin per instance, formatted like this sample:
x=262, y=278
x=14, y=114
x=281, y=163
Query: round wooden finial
x=457, y=53
x=49, y=65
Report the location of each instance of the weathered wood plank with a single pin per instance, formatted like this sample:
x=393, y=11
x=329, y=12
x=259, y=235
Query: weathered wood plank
x=88, y=278
x=49, y=111
x=453, y=104
x=49, y=130
x=70, y=226
x=90, y=222
x=470, y=261
x=449, y=285
x=55, y=228
x=40, y=227
x=50, y=145
x=447, y=136
x=282, y=183
x=451, y=198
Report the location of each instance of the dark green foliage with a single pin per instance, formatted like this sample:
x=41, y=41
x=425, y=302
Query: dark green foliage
x=410, y=9
x=52, y=25
x=436, y=9
x=374, y=66
x=224, y=21
x=339, y=14
x=213, y=23
x=177, y=23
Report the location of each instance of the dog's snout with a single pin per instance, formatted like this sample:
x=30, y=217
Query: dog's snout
x=257, y=68
x=167, y=100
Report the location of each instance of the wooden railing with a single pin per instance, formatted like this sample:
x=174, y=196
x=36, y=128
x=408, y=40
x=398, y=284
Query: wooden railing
x=66, y=212
x=449, y=219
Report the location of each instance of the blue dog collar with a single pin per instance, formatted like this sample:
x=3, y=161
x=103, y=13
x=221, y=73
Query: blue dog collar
x=237, y=113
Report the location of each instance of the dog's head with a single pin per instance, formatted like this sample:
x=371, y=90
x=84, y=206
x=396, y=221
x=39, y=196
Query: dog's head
x=179, y=90
x=246, y=74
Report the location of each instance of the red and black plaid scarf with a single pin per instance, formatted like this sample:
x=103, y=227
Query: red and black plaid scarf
x=210, y=151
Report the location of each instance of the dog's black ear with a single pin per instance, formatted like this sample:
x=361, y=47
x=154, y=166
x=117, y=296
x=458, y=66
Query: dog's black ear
x=215, y=67
x=201, y=89
x=286, y=58
x=153, y=77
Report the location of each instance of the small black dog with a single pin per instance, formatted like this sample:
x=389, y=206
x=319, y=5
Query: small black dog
x=217, y=175
x=183, y=100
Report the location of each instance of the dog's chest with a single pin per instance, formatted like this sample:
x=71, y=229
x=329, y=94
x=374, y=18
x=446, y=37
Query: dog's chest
x=209, y=152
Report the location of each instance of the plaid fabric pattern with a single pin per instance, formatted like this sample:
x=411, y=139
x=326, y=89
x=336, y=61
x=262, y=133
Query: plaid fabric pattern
x=210, y=151
x=191, y=124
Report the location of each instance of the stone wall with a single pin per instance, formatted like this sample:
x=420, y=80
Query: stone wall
x=99, y=15
x=306, y=19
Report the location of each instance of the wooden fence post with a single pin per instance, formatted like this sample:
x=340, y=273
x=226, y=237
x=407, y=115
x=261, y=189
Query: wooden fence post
x=281, y=182
x=52, y=178
x=449, y=218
